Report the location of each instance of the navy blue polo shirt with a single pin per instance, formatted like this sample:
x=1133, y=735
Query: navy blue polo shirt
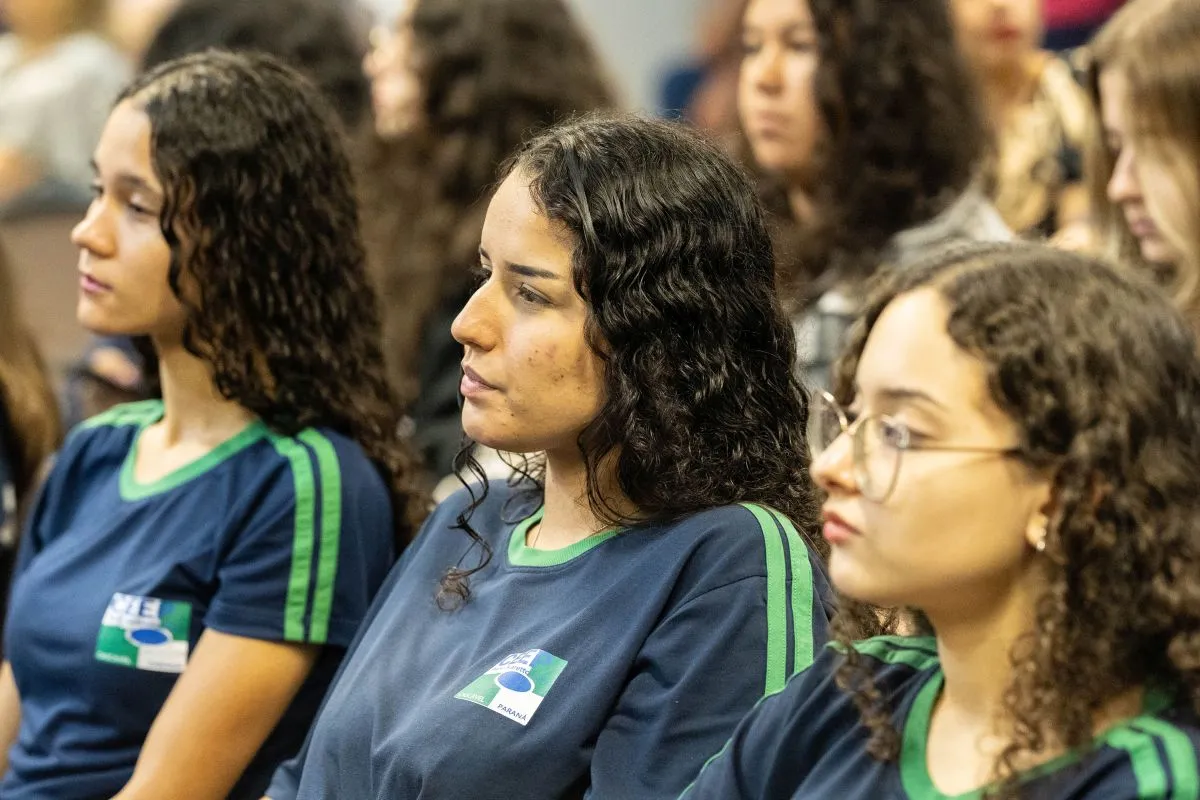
x=807, y=742
x=611, y=668
x=268, y=537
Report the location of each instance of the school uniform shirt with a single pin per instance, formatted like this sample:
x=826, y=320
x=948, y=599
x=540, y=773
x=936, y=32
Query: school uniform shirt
x=611, y=669
x=807, y=742
x=267, y=537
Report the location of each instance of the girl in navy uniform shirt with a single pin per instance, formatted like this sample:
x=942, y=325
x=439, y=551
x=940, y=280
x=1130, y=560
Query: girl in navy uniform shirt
x=195, y=567
x=607, y=619
x=1013, y=451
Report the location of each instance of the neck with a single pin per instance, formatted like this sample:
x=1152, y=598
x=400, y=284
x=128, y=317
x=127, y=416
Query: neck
x=1007, y=86
x=801, y=204
x=975, y=638
x=193, y=409
x=567, y=518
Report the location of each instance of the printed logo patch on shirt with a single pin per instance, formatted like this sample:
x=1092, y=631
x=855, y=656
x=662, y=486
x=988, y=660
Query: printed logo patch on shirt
x=516, y=686
x=145, y=633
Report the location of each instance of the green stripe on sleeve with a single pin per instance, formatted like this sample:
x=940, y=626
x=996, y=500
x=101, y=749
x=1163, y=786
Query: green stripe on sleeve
x=776, y=675
x=1181, y=756
x=802, y=593
x=143, y=411
x=302, y=542
x=1143, y=757
x=331, y=530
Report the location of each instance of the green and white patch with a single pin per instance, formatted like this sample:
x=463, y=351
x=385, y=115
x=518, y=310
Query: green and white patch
x=516, y=686
x=145, y=633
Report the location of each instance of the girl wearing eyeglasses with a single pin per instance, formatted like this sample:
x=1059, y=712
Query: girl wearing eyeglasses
x=1011, y=453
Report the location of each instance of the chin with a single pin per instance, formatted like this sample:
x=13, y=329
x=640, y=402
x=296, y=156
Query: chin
x=851, y=579
x=1157, y=251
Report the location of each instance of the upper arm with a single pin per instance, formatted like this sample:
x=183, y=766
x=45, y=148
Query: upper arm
x=312, y=553
x=703, y=667
x=218, y=715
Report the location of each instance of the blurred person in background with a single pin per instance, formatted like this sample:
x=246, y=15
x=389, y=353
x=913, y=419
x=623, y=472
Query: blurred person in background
x=58, y=78
x=867, y=128
x=458, y=85
x=131, y=24
x=1038, y=115
x=1144, y=161
x=1071, y=23
x=29, y=424
x=195, y=566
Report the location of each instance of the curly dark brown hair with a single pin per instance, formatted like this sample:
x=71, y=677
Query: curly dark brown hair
x=672, y=255
x=903, y=136
x=266, y=254
x=1102, y=378
x=492, y=72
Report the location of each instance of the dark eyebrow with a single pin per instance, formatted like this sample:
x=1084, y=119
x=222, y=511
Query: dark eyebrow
x=898, y=394
x=525, y=270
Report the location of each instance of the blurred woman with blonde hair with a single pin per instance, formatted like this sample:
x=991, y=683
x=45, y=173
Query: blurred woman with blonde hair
x=1144, y=162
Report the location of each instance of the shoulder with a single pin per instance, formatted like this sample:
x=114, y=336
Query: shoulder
x=88, y=49
x=323, y=463
x=111, y=431
x=1156, y=749
x=726, y=544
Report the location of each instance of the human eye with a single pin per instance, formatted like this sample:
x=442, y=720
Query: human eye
x=750, y=44
x=528, y=295
x=479, y=275
x=894, y=433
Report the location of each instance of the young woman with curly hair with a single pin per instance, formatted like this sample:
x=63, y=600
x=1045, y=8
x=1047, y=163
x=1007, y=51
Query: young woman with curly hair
x=1144, y=162
x=1011, y=451
x=458, y=86
x=195, y=566
x=606, y=621
x=864, y=121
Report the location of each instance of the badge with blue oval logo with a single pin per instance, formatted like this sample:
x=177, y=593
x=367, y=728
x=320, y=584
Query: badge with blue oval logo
x=516, y=686
x=145, y=633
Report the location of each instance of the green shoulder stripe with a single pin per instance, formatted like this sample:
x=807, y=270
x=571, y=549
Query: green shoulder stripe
x=784, y=563
x=1180, y=755
x=304, y=536
x=138, y=413
x=802, y=593
x=1148, y=769
x=918, y=652
x=331, y=531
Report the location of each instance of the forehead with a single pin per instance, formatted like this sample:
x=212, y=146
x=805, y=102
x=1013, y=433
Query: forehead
x=124, y=144
x=1114, y=98
x=515, y=230
x=773, y=13
x=909, y=347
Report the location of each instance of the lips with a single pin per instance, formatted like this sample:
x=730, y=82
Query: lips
x=90, y=284
x=836, y=530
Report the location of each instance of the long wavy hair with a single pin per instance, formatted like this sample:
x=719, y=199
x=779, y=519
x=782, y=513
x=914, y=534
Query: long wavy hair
x=672, y=255
x=903, y=135
x=491, y=72
x=1101, y=377
x=1153, y=44
x=266, y=253
x=315, y=37
x=26, y=392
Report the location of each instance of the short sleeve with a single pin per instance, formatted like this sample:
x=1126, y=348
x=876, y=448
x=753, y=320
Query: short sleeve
x=775, y=745
x=305, y=563
x=700, y=671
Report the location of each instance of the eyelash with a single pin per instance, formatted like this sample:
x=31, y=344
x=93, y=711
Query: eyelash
x=98, y=191
x=480, y=275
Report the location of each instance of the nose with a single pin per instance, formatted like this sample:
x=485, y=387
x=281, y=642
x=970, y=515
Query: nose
x=94, y=231
x=1123, y=184
x=475, y=327
x=764, y=69
x=833, y=469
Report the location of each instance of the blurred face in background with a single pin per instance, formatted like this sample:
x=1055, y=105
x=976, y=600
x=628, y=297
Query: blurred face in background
x=1143, y=185
x=776, y=102
x=395, y=80
x=998, y=34
x=47, y=19
x=133, y=23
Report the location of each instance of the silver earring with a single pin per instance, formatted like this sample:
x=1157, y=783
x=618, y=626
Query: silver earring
x=1040, y=545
